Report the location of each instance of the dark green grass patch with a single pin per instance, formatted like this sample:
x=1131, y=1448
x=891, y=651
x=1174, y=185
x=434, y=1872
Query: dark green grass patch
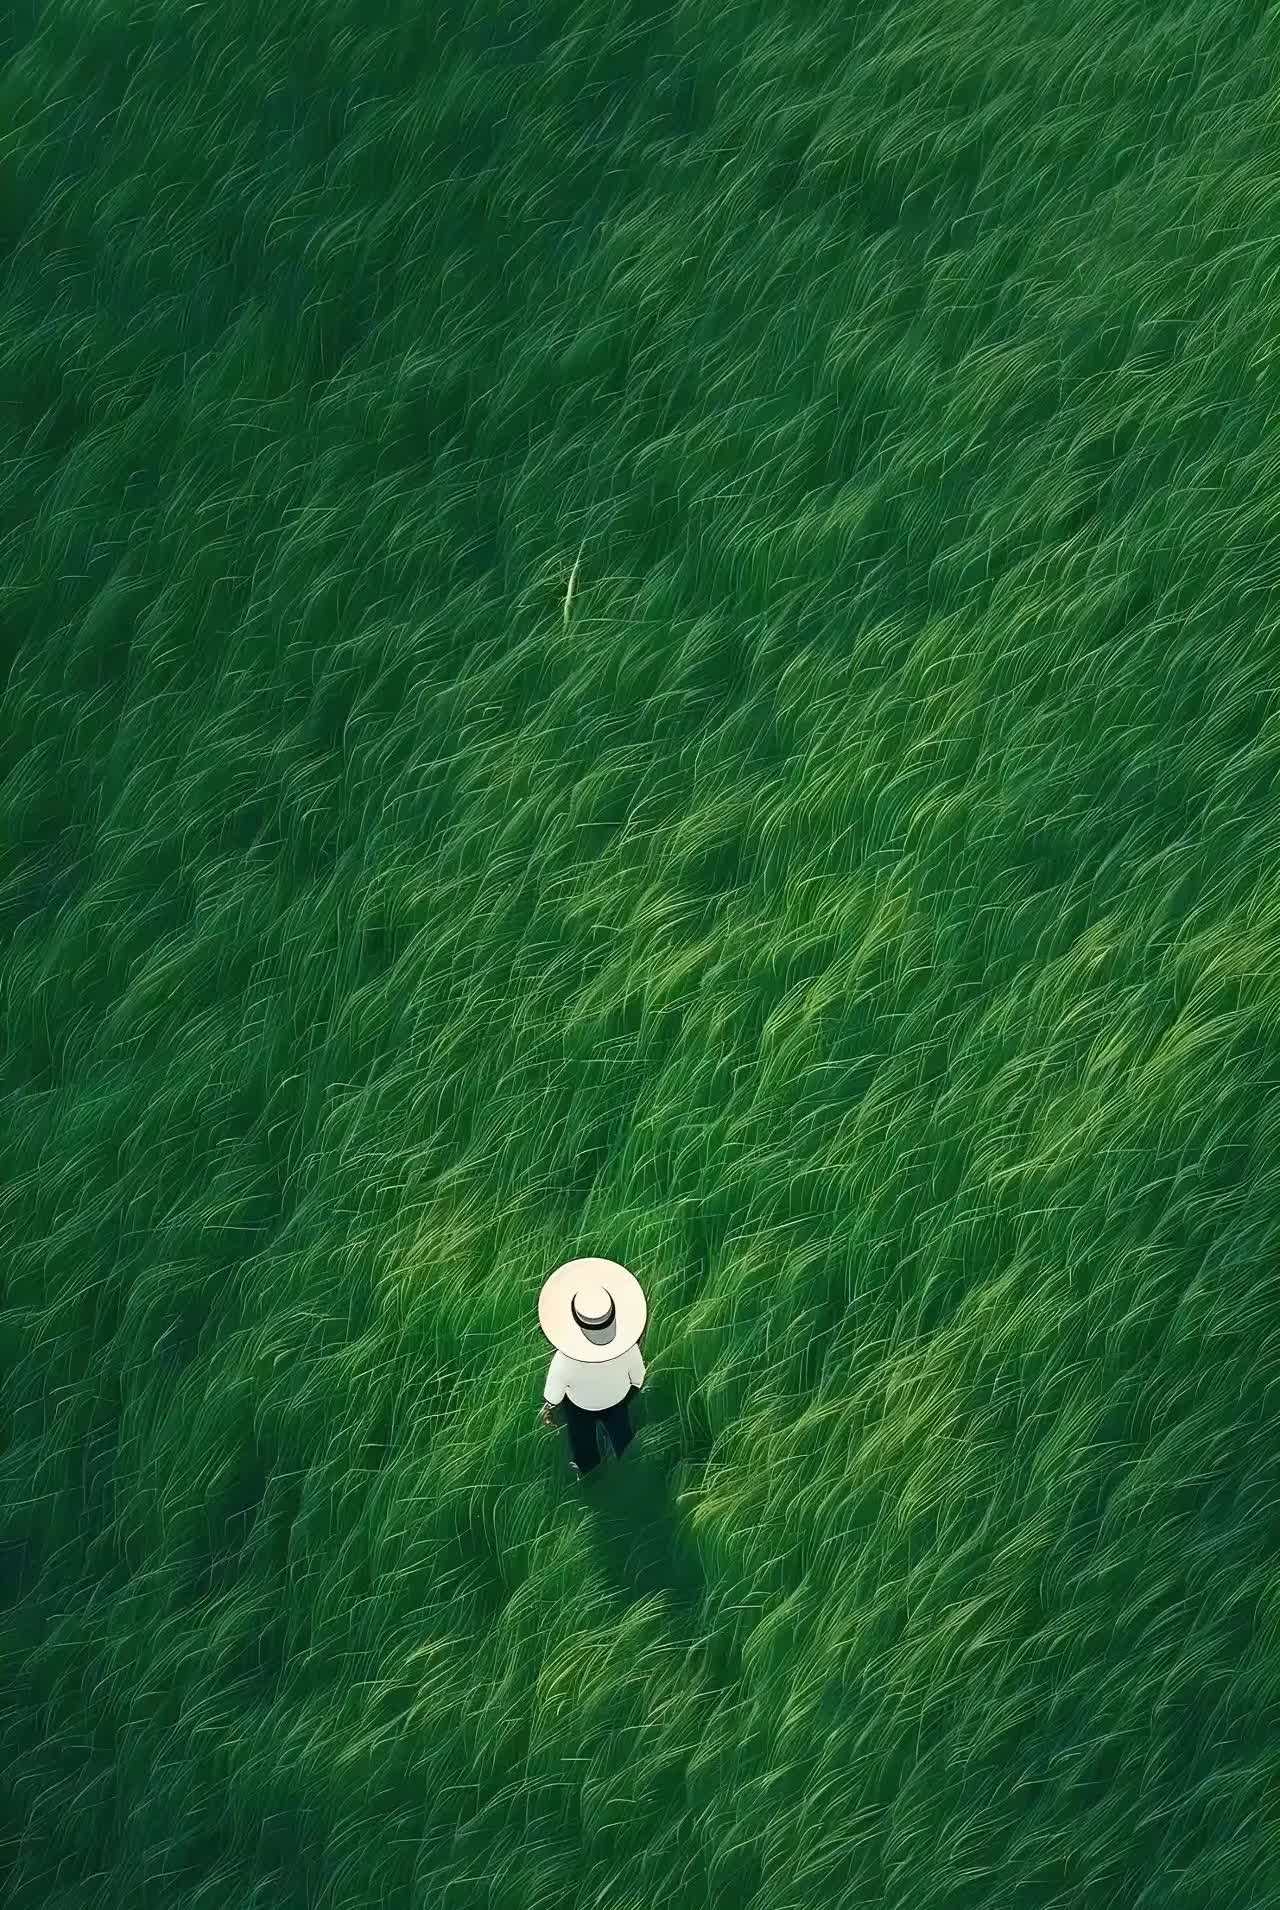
x=854, y=905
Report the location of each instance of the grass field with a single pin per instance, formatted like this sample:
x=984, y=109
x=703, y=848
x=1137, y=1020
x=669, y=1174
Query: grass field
x=855, y=905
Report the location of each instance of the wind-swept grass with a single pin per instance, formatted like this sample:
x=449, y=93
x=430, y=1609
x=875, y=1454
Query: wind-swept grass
x=646, y=630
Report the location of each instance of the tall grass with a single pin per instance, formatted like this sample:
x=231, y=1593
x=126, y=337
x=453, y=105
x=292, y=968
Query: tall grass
x=857, y=910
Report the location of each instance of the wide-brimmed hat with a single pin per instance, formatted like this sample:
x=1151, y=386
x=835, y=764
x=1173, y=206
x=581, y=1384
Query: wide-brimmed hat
x=592, y=1309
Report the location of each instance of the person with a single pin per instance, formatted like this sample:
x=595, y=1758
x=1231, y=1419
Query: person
x=593, y=1312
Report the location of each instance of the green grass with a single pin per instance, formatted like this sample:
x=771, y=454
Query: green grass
x=860, y=915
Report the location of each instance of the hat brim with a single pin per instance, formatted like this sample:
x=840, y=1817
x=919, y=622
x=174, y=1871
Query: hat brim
x=555, y=1309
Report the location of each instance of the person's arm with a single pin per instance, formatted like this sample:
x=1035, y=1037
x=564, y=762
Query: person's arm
x=635, y=1367
x=554, y=1390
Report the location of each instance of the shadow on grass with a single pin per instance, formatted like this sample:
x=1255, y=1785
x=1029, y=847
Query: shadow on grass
x=637, y=1532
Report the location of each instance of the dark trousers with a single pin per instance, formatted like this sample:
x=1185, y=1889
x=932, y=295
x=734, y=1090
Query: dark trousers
x=616, y=1421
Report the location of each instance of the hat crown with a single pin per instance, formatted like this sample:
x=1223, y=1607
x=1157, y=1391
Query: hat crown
x=592, y=1305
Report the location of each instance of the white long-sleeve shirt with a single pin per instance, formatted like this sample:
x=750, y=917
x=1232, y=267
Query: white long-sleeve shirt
x=594, y=1385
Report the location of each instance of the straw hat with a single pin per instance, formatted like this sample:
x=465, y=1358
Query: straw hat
x=592, y=1309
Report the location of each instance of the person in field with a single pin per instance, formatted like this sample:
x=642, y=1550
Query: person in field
x=593, y=1312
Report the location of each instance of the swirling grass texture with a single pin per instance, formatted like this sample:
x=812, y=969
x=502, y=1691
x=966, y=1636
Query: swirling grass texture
x=645, y=629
